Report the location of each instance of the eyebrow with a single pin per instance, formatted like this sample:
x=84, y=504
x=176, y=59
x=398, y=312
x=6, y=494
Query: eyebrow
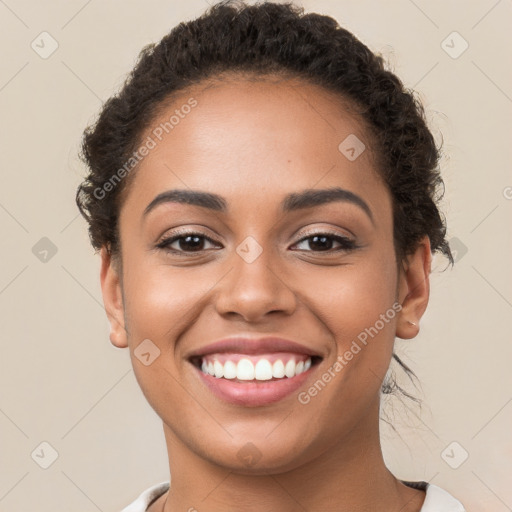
x=292, y=202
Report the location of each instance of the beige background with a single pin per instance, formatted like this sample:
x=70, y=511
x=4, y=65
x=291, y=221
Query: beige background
x=61, y=380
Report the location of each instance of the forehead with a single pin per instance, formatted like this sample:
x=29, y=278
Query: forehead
x=259, y=139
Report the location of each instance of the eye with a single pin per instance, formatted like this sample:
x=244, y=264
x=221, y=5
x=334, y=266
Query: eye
x=194, y=242
x=324, y=242
x=187, y=242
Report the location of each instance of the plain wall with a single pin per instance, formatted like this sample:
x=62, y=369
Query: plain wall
x=61, y=380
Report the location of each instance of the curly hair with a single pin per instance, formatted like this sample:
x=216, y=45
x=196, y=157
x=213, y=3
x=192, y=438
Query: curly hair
x=270, y=39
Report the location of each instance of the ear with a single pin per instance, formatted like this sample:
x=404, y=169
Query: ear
x=414, y=289
x=113, y=298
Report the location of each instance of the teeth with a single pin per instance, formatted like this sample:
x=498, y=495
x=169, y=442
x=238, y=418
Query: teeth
x=263, y=370
x=230, y=370
x=245, y=369
x=289, y=369
x=218, y=369
x=278, y=369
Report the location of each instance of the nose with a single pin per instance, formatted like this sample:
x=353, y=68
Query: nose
x=253, y=289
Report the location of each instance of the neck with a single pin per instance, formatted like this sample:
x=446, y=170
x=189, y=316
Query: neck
x=350, y=476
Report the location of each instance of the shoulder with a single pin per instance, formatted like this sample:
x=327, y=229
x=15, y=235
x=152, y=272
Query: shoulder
x=436, y=498
x=439, y=500
x=147, y=497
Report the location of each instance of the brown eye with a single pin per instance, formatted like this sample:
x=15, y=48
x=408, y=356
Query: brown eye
x=188, y=242
x=323, y=242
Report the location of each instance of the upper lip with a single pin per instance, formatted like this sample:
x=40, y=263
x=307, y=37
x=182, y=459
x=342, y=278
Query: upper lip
x=242, y=345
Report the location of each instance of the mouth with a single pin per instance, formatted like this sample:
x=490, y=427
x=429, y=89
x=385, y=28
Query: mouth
x=255, y=380
x=252, y=372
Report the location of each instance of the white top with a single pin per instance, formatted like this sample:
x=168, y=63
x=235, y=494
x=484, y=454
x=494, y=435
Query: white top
x=436, y=500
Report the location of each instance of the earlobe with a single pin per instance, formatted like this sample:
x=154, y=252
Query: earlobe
x=414, y=290
x=112, y=299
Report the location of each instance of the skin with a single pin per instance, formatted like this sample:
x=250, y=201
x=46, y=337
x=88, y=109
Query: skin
x=253, y=142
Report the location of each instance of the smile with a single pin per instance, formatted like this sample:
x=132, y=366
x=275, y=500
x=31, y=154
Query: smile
x=255, y=368
x=254, y=380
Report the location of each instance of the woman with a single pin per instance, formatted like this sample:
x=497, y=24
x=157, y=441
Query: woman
x=263, y=196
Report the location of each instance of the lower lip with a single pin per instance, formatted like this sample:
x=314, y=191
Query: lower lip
x=254, y=393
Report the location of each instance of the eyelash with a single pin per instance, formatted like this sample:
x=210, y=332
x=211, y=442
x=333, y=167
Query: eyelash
x=346, y=243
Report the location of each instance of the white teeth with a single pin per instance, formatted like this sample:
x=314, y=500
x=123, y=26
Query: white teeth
x=245, y=369
x=278, y=369
x=263, y=370
x=229, y=370
x=289, y=369
x=218, y=369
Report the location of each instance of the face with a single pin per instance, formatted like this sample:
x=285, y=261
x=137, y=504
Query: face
x=263, y=258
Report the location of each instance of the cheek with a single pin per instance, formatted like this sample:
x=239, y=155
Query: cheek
x=162, y=304
x=160, y=300
x=357, y=305
x=351, y=298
